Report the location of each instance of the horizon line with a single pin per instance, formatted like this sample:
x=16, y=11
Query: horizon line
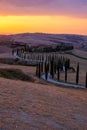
x=7, y=34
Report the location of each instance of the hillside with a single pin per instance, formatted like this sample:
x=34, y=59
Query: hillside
x=35, y=104
x=78, y=41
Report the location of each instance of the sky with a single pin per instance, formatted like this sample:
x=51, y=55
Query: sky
x=46, y=16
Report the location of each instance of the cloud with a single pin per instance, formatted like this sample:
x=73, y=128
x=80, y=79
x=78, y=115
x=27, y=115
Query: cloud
x=44, y=7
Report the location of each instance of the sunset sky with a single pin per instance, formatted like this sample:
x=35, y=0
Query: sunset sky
x=47, y=16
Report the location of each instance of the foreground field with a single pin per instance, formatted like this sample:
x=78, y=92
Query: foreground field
x=33, y=106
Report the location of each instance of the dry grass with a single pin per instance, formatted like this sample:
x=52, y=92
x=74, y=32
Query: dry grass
x=80, y=53
x=32, y=106
x=15, y=74
x=83, y=67
x=71, y=78
x=25, y=69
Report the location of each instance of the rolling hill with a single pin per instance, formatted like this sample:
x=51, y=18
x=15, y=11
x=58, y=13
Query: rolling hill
x=34, y=39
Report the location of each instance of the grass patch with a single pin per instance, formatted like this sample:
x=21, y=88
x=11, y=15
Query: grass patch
x=15, y=74
x=71, y=53
x=12, y=61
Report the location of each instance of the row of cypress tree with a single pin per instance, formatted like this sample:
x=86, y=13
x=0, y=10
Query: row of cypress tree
x=49, y=68
x=52, y=64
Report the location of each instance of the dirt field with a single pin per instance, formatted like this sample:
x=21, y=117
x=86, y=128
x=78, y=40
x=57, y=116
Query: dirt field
x=41, y=105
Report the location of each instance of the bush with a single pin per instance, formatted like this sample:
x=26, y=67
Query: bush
x=15, y=74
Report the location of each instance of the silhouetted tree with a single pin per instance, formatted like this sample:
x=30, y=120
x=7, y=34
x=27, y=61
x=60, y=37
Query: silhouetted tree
x=13, y=52
x=77, y=74
x=42, y=66
x=65, y=73
x=86, y=81
x=52, y=68
x=39, y=70
x=46, y=70
x=58, y=72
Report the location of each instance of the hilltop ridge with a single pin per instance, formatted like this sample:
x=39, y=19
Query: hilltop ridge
x=34, y=39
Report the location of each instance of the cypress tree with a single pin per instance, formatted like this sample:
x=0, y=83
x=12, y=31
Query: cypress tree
x=48, y=58
x=41, y=66
x=42, y=58
x=58, y=72
x=39, y=70
x=38, y=58
x=63, y=60
x=60, y=65
x=22, y=50
x=52, y=69
x=48, y=67
x=65, y=73
x=77, y=74
x=46, y=70
x=13, y=52
x=68, y=63
x=24, y=56
x=17, y=51
x=25, y=47
x=86, y=81
x=55, y=67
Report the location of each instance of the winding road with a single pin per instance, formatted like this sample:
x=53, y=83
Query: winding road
x=49, y=79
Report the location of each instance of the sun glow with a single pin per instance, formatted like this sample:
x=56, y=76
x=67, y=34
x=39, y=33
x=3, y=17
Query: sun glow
x=46, y=24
